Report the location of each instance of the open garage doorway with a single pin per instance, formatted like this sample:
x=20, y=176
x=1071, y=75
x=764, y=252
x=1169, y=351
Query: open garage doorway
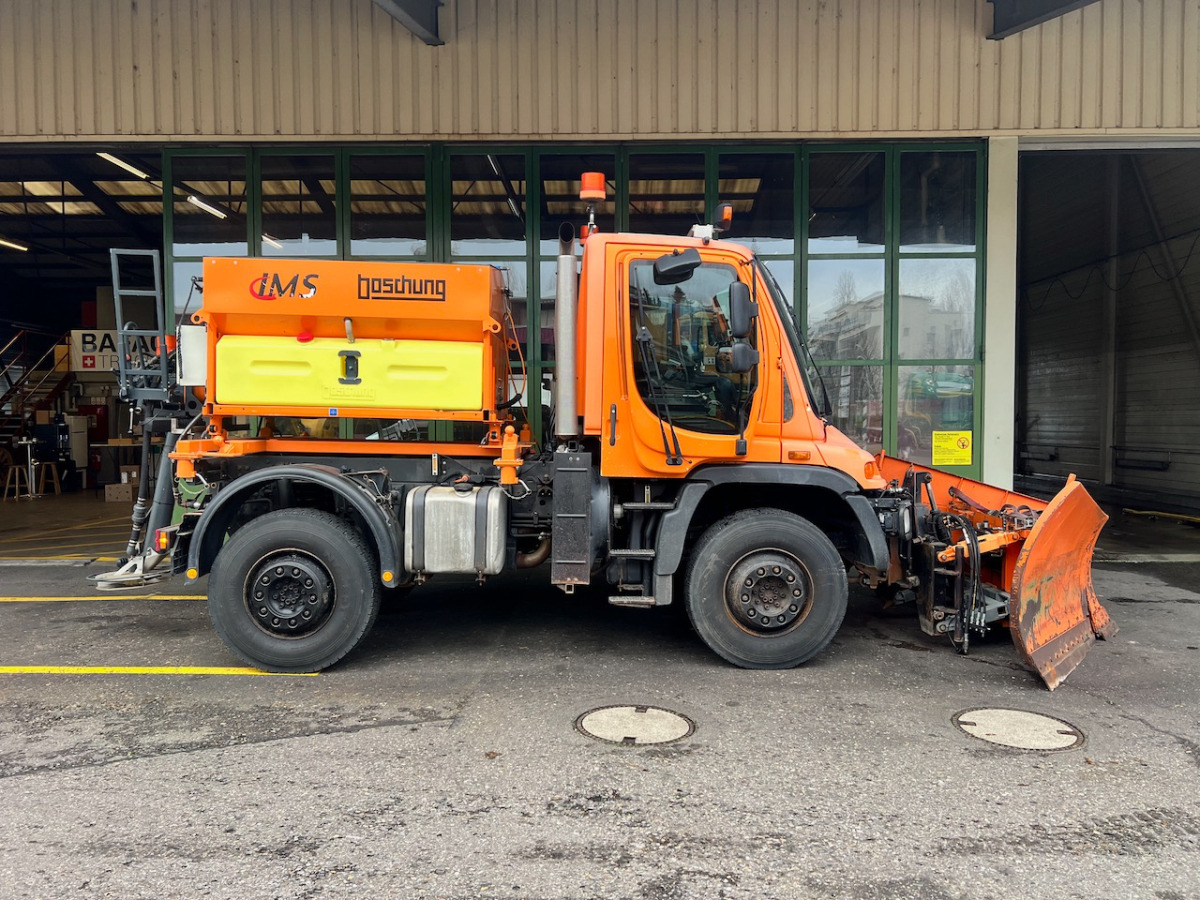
x=61, y=211
x=1108, y=382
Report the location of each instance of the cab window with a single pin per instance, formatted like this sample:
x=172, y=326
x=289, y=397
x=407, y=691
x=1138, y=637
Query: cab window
x=681, y=349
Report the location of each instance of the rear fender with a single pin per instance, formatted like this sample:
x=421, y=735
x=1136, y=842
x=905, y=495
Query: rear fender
x=384, y=531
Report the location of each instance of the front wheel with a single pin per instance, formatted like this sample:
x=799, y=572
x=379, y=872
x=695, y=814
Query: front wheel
x=766, y=589
x=293, y=591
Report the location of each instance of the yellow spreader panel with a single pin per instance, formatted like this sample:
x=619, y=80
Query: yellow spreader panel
x=329, y=372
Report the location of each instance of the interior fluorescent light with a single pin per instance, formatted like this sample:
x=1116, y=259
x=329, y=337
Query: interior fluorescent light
x=267, y=239
x=5, y=242
x=128, y=167
x=207, y=207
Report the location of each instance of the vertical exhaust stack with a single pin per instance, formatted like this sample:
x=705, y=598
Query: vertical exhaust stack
x=566, y=306
x=566, y=415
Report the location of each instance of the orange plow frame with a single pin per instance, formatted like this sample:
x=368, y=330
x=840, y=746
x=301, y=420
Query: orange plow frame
x=1054, y=616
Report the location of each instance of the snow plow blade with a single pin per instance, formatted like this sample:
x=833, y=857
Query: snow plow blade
x=1054, y=614
x=1038, y=553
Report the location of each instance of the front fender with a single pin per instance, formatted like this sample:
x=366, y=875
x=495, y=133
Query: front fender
x=673, y=532
x=218, y=515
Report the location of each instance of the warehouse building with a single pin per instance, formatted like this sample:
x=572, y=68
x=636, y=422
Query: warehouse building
x=985, y=212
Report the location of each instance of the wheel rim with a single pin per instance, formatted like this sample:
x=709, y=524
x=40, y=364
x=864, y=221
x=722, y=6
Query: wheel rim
x=768, y=592
x=289, y=595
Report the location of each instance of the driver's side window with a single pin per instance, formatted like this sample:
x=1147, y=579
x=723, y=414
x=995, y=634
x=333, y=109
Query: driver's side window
x=682, y=349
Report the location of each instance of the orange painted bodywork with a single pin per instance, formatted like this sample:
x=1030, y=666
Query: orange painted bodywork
x=1054, y=616
x=307, y=299
x=606, y=377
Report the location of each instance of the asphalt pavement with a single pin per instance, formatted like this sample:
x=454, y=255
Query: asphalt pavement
x=440, y=760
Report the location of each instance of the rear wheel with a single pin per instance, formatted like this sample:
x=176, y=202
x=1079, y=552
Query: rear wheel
x=766, y=589
x=293, y=591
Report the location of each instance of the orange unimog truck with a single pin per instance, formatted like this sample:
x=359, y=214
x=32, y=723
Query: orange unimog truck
x=689, y=461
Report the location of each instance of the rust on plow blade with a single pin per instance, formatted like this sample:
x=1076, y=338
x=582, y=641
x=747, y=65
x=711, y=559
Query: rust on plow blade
x=1054, y=614
x=1046, y=569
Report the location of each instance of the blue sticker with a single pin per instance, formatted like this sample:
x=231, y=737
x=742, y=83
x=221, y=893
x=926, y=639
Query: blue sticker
x=333, y=412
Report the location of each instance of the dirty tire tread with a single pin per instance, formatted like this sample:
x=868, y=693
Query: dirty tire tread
x=335, y=545
x=731, y=539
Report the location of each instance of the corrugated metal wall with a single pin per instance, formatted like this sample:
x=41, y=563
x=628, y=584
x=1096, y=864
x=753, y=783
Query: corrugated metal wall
x=1155, y=366
x=564, y=69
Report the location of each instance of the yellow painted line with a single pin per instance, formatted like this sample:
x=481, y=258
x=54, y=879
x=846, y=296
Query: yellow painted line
x=108, y=523
x=41, y=559
x=144, y=670
x=93, y=535
x=98, y=542
x=102, y=596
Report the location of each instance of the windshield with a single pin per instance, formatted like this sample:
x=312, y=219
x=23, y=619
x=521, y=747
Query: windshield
x=804, y=360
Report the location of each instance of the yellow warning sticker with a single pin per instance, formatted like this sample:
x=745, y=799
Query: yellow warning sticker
x=952, y=448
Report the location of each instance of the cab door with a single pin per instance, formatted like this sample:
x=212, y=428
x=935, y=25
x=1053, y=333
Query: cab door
x=675, y=396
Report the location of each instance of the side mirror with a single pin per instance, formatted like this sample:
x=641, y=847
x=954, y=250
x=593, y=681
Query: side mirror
x=677, y=266
x=742, y=311
x=743, y=357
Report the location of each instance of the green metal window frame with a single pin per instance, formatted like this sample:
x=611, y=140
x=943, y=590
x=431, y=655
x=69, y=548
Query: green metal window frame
x=439, y=197
x=892, y=257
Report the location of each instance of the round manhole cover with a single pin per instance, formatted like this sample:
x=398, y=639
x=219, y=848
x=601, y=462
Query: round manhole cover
x=1020, y=729
x=634, y=725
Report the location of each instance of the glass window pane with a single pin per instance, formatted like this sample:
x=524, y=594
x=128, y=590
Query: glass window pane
x=561, y=177
x=934, y=404
x=937, y=309
x=516, y=279
x=219, y=227
x=856, y=401
x=784, y=272
x=845, y=308
x=845, y=203
x=684, y=371
x=487, y=214
x=666, y=192
x=762, y=191
x=937, y=201
x=184, y=301
x=299, y=214
x=387, y=206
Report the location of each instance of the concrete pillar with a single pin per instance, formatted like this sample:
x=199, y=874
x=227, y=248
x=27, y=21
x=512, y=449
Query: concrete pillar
x=997, y=442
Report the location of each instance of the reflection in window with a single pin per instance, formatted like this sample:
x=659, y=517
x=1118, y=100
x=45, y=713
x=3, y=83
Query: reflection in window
x=682, y=349
x=845, y=308
x=561, y=181
x=937, y=308
x=666, y=193
x=932, y=399
x=185, y=300
x=856, y=403
x=387, y=206
x=220, y=183
x=487, y=211
x=761, y=188
x=299, y=215
x=937, y=201
x=845, y=203
x=516, y=282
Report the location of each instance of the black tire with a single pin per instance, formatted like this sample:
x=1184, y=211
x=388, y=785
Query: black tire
x=293, y=591
x=765, y=589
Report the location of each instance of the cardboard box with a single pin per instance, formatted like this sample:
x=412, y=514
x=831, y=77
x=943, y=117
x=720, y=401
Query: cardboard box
x=43, y=417
x=120, y=493
x=130, y=474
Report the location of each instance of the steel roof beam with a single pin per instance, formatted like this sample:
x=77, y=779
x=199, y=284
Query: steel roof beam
x=418, y=16
x=1011, y=16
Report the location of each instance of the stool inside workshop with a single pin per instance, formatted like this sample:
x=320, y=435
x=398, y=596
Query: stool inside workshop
x=51, y=468
x=16, y=480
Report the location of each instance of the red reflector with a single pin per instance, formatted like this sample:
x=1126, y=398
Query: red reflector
x=304, y=337
x=162, y=539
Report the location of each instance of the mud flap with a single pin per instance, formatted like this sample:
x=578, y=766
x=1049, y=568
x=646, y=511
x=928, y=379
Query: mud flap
x=1054, y=615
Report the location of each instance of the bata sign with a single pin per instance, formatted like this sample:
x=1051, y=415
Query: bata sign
x=96, y=351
